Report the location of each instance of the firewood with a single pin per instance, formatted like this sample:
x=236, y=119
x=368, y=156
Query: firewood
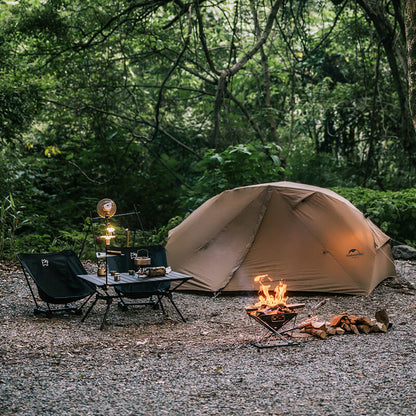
x=379, y=327
x=307, y=322
x=363, y=320
x=336, y=320
x=320, y=333
x=346, y=327
x=382, y=317
x=354, y=329
x=321, y=303
x=364, y=328
x=330, y=330
x=339, y=331
x=383, y=327
x=374, y=328
x=318, y=325
x=296, y=306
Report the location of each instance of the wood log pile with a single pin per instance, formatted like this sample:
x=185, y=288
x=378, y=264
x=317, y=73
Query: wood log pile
x=345, y=323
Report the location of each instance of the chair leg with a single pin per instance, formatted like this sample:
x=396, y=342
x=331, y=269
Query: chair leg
x=84, y=303
x=122, y=305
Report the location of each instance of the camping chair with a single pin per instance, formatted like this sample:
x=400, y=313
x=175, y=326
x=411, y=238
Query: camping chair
x=125, y=262
x=55, y=276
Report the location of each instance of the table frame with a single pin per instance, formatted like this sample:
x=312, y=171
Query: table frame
x=104, y=283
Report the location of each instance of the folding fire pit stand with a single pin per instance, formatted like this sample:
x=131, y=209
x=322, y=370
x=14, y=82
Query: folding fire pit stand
x=273, y=322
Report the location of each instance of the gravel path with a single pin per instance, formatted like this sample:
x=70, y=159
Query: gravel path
x=144, y=363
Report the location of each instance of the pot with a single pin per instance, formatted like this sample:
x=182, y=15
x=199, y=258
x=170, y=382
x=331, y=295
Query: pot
x=142, y=260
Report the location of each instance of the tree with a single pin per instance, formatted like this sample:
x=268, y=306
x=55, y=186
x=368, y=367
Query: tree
x=127, y=99
x=410, y=24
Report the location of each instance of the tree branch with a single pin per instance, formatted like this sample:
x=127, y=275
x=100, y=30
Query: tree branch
x=160, y=95
x=204, y=40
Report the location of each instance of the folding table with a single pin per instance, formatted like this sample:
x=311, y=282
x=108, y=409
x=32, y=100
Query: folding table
x=103, y=284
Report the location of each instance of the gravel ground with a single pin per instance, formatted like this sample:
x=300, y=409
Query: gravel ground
x=144, y=363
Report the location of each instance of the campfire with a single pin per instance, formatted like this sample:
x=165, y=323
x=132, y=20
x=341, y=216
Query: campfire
x=271, y=310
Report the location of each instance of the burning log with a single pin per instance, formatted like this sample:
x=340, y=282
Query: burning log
x=272, y=312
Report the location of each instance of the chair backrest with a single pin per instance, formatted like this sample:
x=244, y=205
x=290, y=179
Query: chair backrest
x=125, y=262
x=55, y=274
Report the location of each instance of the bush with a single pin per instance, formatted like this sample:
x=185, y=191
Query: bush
x=393, y=211
x=240, y=165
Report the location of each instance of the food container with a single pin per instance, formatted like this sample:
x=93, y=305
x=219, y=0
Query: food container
x=155, y=271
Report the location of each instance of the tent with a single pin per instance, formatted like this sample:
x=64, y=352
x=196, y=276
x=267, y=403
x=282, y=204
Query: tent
x=309, y=237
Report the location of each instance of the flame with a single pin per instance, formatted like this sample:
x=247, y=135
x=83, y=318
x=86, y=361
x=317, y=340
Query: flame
x=268, y=299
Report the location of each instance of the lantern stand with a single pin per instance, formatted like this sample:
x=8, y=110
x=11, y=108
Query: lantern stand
x=106, y=208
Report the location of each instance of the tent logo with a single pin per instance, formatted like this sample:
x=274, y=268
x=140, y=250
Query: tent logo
x=45, y=262
x=354, y=252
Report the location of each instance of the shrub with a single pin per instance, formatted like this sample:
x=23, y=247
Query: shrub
x=393, y=211
x=240, y=165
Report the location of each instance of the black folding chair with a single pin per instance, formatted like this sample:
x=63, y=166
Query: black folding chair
x=125, y=262
x=55, y=277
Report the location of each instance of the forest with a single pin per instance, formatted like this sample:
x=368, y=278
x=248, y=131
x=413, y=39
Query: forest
x=159, y=105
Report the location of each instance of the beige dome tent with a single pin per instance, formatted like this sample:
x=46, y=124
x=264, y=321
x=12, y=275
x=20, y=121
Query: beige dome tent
x=310, y=237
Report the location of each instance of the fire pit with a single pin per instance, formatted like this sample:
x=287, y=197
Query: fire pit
x=272, y=312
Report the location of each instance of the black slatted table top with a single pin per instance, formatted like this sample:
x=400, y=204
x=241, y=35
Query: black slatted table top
x=126, y=278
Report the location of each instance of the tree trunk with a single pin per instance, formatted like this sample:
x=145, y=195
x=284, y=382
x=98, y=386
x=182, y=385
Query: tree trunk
x=410, y=23
x=386, y=32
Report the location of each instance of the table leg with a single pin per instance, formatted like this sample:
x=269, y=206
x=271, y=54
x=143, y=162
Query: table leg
x=170, y=297
x=97, y=296
x=109, y=302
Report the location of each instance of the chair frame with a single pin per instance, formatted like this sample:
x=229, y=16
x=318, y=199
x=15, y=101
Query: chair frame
x=49, y=310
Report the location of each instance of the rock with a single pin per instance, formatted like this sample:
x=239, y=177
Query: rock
x=403, y=252
x=382, y=317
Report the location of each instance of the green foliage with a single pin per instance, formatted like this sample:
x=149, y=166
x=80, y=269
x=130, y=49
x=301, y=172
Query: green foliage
x=393, y=211
x=240, y=165
x=160, y=235
x=10, y=222
x=107, y=98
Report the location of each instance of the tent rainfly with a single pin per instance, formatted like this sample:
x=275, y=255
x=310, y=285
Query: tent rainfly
x=310, y=237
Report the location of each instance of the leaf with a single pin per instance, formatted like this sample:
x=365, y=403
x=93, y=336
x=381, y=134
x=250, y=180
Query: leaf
x=275, y=159
x=111, y=136
x=12, y=201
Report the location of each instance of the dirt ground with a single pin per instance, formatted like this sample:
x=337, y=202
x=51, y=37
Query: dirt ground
x=146, y=363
